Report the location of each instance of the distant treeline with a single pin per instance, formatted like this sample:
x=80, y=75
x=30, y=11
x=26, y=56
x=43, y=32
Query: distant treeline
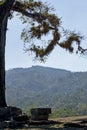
x=64, y=91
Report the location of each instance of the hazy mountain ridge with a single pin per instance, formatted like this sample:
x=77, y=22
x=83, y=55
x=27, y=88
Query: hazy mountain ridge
x=43, y=86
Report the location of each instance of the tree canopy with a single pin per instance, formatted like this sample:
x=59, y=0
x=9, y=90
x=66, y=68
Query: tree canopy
x=40, y=21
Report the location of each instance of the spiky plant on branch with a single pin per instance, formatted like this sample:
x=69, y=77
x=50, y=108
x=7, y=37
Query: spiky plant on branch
x=41, y=21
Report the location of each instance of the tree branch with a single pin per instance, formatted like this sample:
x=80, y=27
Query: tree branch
x=7, y=6
x=19, y=7
x=82, y=50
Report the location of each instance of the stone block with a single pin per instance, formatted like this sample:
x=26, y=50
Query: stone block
x=40, y=113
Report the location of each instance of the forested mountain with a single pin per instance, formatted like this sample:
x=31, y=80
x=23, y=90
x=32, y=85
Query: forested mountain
x=47, y=87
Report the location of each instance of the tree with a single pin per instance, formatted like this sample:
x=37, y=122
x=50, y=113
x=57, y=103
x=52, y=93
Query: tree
x=41, y=22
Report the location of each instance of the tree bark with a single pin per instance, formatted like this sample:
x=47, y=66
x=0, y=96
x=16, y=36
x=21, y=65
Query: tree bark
x=4, y=14
x=2, y=65
x=3, y=26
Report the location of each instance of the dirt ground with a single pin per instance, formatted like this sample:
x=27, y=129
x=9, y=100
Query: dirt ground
x=66, y=123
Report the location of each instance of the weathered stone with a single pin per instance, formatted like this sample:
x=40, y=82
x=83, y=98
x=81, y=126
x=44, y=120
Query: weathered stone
x=40, y=113
x=8, y=112
x=14, y=111
x=40, y=117
x=4, y=124
x=15, y=124
x=21, y=118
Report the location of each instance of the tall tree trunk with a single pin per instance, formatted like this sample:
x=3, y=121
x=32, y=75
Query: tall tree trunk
x=3, y=27
x=4, y=14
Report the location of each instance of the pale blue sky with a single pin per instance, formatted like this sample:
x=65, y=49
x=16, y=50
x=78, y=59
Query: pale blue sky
x=74, y=17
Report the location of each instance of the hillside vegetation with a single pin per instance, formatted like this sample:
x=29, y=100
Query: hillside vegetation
x=64, y=91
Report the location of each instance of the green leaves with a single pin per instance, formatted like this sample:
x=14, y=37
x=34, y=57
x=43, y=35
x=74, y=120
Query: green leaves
x=72, y=37
x=42, y=23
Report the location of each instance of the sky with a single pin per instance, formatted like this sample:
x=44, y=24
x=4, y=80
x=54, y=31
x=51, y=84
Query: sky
x=74, y=17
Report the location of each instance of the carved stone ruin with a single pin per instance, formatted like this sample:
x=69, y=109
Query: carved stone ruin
x=40, y=113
